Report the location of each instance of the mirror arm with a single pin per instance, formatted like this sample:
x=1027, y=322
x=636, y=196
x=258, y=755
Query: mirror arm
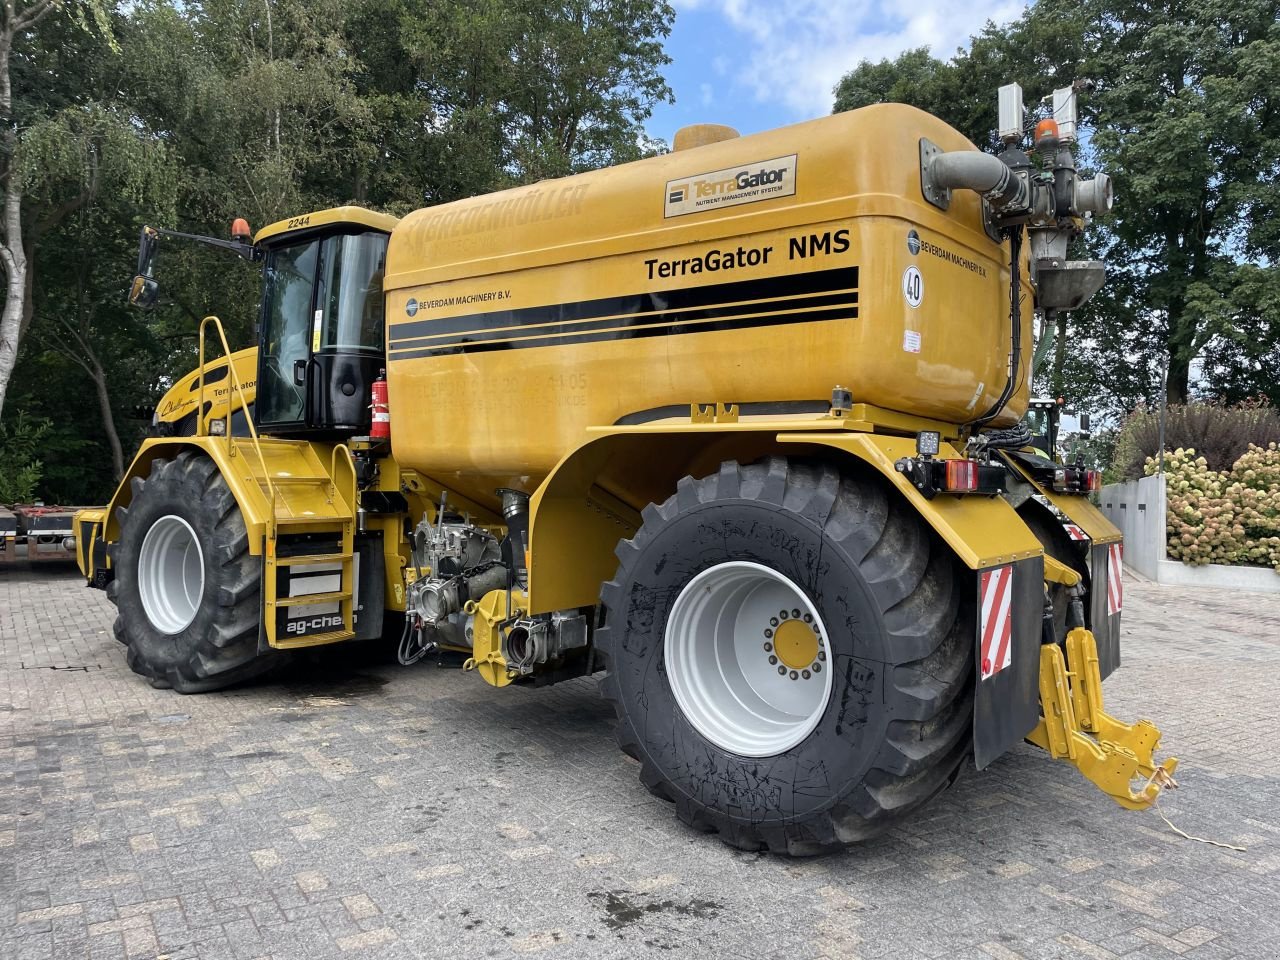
x=246, y=251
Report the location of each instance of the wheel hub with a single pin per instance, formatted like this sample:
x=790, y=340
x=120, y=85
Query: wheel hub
x=745, y=659
x=171, y=574
x=796, y=644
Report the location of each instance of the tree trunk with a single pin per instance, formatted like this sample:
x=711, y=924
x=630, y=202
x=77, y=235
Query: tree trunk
x=99, y=377
x=12, y=253
x=1178, y=384
x=1182, y=350
x=1058, y=379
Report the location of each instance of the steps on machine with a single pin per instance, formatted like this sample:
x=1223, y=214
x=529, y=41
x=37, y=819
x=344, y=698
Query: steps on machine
x=308, y=497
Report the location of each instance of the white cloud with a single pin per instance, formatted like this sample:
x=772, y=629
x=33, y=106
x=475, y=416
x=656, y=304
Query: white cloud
x=706, y=94
x=795, y=51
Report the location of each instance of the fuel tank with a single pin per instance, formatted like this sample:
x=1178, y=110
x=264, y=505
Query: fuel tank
x=763, y=269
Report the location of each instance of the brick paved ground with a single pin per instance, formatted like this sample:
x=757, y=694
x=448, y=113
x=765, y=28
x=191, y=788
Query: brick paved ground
x=373, y=811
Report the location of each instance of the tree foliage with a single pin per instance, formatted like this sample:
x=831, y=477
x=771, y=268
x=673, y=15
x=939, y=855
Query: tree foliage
x=186, y=115
x=1185, y=118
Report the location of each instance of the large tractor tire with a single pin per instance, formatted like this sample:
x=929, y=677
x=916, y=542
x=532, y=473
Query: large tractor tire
x=790, y=655
x=186, y=587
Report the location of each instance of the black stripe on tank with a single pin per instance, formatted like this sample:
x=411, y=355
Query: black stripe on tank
x=689, y=315
x=650, y=302
x=632, y=332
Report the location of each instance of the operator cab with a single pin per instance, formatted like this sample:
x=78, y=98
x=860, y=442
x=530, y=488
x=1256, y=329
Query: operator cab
x=322, y=324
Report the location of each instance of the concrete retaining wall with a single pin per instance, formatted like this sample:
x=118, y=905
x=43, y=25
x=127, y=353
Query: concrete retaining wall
x=1138, y=509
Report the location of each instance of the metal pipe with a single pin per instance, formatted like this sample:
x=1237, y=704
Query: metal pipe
x=980, y=172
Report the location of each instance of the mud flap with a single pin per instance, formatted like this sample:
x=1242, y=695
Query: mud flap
x=1006, y=705
x=1105, y=603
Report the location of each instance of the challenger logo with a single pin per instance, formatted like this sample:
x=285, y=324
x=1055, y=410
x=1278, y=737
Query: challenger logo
x=759, y=180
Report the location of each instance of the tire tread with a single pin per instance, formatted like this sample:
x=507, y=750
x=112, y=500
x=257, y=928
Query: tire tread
x=927, y=616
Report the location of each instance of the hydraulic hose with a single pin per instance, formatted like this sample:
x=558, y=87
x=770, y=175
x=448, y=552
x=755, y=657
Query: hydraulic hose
x=1015, y=333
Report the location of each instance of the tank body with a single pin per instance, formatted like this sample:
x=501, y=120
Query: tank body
x=764, y=269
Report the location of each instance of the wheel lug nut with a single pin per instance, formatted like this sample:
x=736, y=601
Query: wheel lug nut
x=822, y=654
x=796, y=614
x=794, y=675
x=816, y=667
x=768, y=648
x=768, y=633
x=783, y=614
x=808, y=618
x=805, y=674
x=773, y=661
x=782, y=671
x=773, y=621
x=815, y=629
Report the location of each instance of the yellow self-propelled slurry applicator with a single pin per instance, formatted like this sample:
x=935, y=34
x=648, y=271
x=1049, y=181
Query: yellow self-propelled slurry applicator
x=737, y=425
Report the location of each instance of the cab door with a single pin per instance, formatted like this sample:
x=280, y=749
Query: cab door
x=288, y=300
x=322, y=334
x=347, y=332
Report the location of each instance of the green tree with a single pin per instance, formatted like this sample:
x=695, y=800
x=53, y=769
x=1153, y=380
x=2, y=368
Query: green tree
x=1185, y=120
x=186, y=115
x=66, y=144
x=1188, y=124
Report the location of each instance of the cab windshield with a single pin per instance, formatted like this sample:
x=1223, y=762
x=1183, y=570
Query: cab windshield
x=319, y=295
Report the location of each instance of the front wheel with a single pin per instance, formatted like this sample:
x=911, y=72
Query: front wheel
x=790, y=656
x=186, y=588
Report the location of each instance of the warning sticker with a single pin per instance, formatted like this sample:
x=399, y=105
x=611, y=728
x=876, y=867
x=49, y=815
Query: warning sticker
x=912, y=286
x=911, y=341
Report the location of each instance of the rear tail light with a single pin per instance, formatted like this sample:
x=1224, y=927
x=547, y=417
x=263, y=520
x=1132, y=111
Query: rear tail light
x=962, y=476
x=1076, y=480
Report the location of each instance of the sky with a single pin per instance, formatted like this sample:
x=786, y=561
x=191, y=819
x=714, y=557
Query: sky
x=760, y=64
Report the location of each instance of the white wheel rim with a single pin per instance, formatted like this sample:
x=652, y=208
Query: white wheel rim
x=171, y=574
x=719, y=666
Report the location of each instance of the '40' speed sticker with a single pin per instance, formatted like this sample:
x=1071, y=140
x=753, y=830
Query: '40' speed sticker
x=913, y=286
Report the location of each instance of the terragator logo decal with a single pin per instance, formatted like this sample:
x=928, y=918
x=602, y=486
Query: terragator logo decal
x=758, y=180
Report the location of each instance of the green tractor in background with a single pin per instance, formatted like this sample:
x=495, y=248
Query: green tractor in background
x=1043, y=418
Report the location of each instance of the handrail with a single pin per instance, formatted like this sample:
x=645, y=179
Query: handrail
x=235, y=385
x=349, y=462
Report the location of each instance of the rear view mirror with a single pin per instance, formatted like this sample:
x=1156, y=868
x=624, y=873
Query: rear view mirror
x=143, y=292
x=147, y=245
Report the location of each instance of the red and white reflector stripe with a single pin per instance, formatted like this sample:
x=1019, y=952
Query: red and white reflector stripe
x=1074, y=532
x=996, y=624
x=1115, y=588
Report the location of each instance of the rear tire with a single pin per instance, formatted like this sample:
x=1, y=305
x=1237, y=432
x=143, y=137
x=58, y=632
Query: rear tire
x=894, y=729
x=186, y=587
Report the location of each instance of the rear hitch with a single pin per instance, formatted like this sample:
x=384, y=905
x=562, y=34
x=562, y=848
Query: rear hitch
x=1075, y=728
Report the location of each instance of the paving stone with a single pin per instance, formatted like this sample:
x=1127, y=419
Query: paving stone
x=352, y=808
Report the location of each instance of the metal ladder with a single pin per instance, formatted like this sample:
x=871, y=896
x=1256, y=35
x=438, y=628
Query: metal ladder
x=335, y=488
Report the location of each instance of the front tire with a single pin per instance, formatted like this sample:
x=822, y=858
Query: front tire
x=186, y=587
x=800, y=765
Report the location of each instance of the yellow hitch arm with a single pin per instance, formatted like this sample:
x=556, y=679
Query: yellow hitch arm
x=1075, y=728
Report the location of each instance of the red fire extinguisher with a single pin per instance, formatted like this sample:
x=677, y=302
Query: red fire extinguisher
x=381, y=428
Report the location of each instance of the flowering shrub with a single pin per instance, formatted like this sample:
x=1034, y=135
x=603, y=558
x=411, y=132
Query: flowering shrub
x=1230, y=517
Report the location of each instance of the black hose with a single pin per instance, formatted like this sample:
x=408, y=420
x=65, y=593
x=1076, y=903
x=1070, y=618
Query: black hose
x=1015, y=336
x=1014, y=438
x=411, y=649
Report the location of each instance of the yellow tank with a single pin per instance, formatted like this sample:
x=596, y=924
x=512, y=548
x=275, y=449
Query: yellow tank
x=763, y=269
